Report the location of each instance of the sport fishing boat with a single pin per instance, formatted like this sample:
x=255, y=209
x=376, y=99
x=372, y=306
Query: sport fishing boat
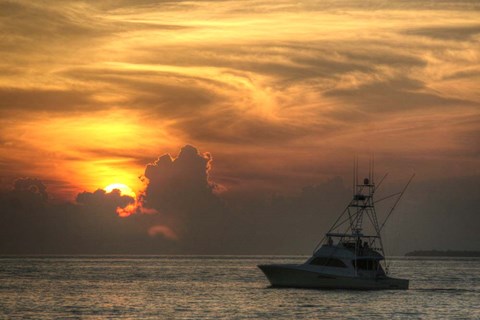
x=347, y=257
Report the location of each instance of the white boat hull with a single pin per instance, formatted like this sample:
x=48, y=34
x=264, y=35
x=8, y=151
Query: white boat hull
x=296, y=277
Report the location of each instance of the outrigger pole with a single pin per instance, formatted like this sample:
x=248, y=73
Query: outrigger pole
x=396, y=202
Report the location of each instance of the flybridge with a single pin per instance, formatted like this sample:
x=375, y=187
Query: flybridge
x=360, y=208
x=347, y=235
x=360, y=214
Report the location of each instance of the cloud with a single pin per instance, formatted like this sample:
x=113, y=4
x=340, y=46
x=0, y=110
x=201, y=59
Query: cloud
x=395, y=96
x=473, y=73
x=30, y=224
x=95, y=90
x=26, y=194
x=187, y=216
x=68, y=22
x=238, y=81
x=177, y=209
x=172, y=181
x=181, y=191
x=32, y=186
x=163, y=231
x=101, y=198
x=44, y=100
x=457, y=33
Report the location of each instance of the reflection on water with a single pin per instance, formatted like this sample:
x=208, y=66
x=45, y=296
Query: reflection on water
x=229, y=287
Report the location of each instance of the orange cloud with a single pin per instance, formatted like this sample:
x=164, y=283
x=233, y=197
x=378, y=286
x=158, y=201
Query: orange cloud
x=102, y=90
x=164, y=231
x=127, y=211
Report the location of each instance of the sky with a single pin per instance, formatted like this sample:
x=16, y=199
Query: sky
x=231, y=126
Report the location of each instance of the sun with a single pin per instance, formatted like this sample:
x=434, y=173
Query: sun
x=124, y=189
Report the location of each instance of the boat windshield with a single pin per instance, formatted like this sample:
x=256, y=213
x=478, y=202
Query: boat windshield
x=328, y=262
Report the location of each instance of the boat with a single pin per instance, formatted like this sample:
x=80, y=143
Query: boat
x=351, y=254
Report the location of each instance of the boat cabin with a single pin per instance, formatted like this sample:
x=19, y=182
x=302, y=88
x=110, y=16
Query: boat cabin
x=348, y=254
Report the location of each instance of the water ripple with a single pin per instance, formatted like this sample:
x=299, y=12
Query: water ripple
x=226, y=287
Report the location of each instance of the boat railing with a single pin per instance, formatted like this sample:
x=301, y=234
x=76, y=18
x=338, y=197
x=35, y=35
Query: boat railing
x=349, y=235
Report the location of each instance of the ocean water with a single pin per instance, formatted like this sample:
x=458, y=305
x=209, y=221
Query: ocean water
x=223, y=287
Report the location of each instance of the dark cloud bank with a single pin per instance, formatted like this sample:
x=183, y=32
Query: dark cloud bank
x=182, y=211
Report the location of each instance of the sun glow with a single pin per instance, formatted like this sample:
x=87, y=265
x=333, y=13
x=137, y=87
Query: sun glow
x=83, y=151
x=124, y=189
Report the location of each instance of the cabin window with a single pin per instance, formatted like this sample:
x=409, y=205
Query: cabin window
x=366, y=264
x=328, y=262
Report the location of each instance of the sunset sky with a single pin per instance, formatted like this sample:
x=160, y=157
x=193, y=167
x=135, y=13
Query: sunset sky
x=269, y=97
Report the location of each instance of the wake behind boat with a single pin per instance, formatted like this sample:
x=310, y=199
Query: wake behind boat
x=347, y=259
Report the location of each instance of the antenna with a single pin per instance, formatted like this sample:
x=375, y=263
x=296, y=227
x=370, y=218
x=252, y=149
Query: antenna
x=356, y=171
x=370, y=169
x=353, y=177
x=373, y=168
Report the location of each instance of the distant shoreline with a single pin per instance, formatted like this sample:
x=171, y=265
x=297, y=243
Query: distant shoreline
x=444, y=253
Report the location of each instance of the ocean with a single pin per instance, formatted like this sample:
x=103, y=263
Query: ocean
x=223, y=287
